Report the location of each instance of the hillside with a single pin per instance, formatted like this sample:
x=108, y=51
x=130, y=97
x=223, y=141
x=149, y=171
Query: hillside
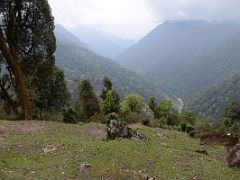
x=77, y=62
x=214, y=101
x=50, y=150
x=102, y=43
x=187, y=57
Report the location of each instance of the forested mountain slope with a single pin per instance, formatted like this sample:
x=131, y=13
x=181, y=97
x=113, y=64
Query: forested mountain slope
x=214, y=101
x=187, y=57
x=77, y=62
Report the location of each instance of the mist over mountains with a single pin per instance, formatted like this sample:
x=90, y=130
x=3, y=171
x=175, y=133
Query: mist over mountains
x=186, y=56
x=78, y=61
x=102, y=43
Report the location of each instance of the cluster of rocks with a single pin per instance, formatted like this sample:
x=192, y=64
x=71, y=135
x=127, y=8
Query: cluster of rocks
x=116, y=129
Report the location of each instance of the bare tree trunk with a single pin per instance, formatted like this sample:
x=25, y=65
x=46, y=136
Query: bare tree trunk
x=21, y=83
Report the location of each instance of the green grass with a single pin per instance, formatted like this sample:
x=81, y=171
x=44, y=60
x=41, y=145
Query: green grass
x=22, y=155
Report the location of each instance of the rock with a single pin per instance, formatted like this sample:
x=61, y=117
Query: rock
x=49, y=148
x=116, y=129
x=162, y=135
x=233, y=156
x=85, y=166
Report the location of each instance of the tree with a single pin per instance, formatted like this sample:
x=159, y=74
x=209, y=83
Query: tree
x=87, y=103
x=133, y=103
x=154, y=107
x=111, y=104
x=52, y=94
x=233, y=112
x=189, y=118
x=107, y=87
x=26, y=42
x=165, y=107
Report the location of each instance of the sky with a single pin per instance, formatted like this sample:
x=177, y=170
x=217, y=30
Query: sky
x=132, y=19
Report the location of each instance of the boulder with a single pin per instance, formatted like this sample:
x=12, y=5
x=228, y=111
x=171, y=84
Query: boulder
x=85, y=166
x=233, y=156
x=116, y=129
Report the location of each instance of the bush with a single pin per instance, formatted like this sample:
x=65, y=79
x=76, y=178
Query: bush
x=131, y=118
x=158, y=123
x=70, y=116
x=183, y=127
x=111, y=116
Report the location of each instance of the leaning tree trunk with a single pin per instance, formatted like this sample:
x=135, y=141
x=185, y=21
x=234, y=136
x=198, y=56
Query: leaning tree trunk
x=21, y=83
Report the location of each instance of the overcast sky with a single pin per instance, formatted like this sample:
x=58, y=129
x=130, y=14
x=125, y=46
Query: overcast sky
x=134, y=18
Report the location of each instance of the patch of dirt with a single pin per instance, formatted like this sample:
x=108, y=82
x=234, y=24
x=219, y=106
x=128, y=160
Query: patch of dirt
x=2, y=140
x=218, y=138
x=24, y=127
x=179, y=159
x=97, y=133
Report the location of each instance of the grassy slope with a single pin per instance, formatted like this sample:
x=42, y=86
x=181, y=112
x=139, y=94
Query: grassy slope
x=22, y=156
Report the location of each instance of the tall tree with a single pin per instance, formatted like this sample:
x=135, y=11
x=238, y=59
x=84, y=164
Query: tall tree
x=26, y=41
x=87, y=103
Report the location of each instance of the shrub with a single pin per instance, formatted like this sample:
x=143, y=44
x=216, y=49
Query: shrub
x=70, y=116
x=158, y=123
x=111, y=104
x=132, y=117
x=183, y=127
x=111, y=116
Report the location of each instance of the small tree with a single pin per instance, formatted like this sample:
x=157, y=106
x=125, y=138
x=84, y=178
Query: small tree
x=111, y=104
x=189, y=118
x=233, y=112
x=154, y=107
x=165, y=107
x=107, y=87
x=87, y=103
x=133, y=103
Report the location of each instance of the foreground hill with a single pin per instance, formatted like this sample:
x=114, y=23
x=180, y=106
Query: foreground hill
x=187, y=57
x=50, y=150
x=213, y=102
x=77, y=62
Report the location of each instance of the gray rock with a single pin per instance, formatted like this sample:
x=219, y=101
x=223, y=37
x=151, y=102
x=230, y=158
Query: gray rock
x=116, y=129
x=85, y=166
x=233, y=156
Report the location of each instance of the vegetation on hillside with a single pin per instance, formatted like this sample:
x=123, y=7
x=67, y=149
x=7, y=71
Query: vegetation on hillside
x=79, y=62
x=214, y=101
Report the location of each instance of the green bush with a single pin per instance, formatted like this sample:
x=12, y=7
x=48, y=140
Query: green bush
x=70, y=116
x=132, y=117
x=158, y=123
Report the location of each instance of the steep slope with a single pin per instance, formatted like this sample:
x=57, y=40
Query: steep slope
x=60, y=31
x=187, y=57
x=214, y=101
x=78, y=62
x=102, y=43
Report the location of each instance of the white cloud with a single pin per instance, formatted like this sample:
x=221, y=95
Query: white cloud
x=125, y=18
x=134, y=18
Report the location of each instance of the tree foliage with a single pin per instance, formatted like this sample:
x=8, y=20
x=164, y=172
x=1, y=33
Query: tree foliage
x=132, y=103
x=111, y=104
x=87, y=102
x=27, y=43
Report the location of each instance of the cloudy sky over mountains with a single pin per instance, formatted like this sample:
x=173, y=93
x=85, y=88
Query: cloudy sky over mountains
x=134, y=18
